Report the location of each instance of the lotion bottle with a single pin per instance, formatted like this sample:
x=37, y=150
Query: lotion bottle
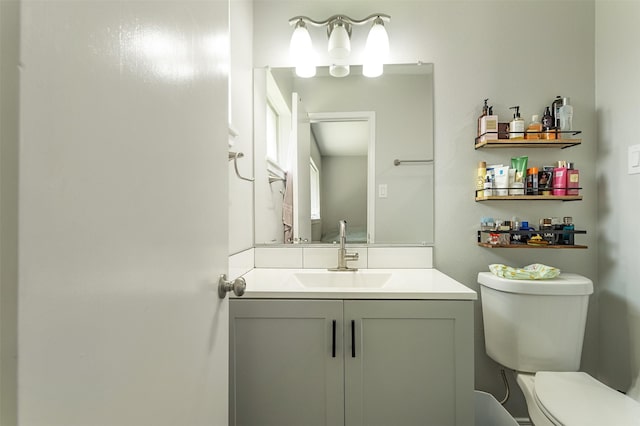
x=516, y=126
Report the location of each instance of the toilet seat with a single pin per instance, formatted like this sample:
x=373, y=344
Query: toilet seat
x=576, y=398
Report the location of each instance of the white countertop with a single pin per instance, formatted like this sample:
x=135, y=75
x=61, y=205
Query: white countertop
x=425, y=284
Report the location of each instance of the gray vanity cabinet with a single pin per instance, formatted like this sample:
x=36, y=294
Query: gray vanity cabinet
x=407, y=362
x=413, y=363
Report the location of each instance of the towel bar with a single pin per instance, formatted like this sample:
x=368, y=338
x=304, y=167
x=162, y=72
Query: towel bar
x=234, y=156
x=397, y=162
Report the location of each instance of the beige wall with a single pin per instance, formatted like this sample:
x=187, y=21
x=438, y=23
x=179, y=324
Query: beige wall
x=617, y=92
x=516, y=53
x=9, y=83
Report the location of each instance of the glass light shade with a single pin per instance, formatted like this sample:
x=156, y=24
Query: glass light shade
x=376, y=50
x=306, y=70
x=372, y=69
x=339, y=42
x=378, y=40
x=301, y=51
x=339, y=70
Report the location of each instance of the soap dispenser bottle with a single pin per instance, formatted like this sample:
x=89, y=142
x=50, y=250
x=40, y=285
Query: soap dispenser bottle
x=516, y=126
x=485, y=111
x=489, y=126
x=547, y=125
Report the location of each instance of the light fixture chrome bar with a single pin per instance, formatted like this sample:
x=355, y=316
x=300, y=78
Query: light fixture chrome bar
x=345, y=18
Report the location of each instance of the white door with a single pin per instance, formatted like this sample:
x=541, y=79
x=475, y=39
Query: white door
x=123, y=213
x=301, y=137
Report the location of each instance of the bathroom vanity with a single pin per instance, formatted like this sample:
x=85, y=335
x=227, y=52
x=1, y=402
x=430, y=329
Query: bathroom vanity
x=387, y=347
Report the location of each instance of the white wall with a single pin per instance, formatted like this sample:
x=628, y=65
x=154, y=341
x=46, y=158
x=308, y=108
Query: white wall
x=514, y=52
x=617, y=93
x=241, y=224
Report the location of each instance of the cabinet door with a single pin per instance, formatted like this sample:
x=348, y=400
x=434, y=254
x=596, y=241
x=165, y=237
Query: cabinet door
x=283, y=370
x=412, y=363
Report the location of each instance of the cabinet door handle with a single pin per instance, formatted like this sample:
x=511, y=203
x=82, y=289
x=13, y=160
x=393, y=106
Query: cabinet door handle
x=353, y=338
x=333, y=339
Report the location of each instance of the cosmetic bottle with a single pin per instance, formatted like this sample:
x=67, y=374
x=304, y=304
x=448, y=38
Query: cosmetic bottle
x=567, y=225
x=485, y=111
x=516, y=126
x=573, y=180
x=532, y=181
x=566, y=115
x=482, y=173
x=501, y=181
x=547, y=125
x=489, y=126
x=488, y=187
x=559, y=181
x=555, y=111
x=534, y=129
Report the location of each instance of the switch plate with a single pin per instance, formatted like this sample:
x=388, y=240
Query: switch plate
x=382, y=190
x=634, y=159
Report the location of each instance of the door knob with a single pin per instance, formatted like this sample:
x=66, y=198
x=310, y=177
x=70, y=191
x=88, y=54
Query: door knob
x=237, y=286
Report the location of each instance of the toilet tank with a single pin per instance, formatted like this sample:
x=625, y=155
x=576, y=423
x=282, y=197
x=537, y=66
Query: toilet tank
x=535, y=325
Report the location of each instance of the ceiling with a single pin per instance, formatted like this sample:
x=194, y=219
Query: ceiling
x=341, y=138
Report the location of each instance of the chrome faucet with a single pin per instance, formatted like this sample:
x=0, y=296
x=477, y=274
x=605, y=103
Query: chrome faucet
x=343, y=255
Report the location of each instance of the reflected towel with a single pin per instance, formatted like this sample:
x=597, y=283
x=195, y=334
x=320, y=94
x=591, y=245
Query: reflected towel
x=287, y=208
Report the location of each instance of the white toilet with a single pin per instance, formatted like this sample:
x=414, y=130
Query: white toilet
x=537, y=328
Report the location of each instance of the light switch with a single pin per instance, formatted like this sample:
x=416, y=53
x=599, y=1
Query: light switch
x=382, y=190
x=634, y=159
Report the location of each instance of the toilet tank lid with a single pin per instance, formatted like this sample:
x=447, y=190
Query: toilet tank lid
x=563, y=284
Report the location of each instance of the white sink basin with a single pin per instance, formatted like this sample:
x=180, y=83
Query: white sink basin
x=342, y=279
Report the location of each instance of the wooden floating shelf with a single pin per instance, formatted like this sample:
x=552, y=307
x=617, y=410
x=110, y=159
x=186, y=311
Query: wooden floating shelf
x=528, y=143
x=527, y=246
x=531, y=197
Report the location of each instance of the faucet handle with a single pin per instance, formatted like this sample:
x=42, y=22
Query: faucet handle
x=352, y=256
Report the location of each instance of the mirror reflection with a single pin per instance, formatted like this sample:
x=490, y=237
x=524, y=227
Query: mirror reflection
x=352, y=148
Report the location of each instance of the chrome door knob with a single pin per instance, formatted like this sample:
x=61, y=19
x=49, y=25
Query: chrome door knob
x=237, y=286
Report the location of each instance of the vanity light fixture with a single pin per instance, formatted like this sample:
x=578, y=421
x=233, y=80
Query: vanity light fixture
x=339, y=45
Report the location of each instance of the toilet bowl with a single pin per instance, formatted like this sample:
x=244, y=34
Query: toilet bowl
x=536, y=327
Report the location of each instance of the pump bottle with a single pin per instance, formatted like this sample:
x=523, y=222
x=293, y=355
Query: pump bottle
x=516, y=126
x=547, y=125
x=485, y=111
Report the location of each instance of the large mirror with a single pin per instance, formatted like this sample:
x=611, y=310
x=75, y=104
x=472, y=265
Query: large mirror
x=352, y=148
